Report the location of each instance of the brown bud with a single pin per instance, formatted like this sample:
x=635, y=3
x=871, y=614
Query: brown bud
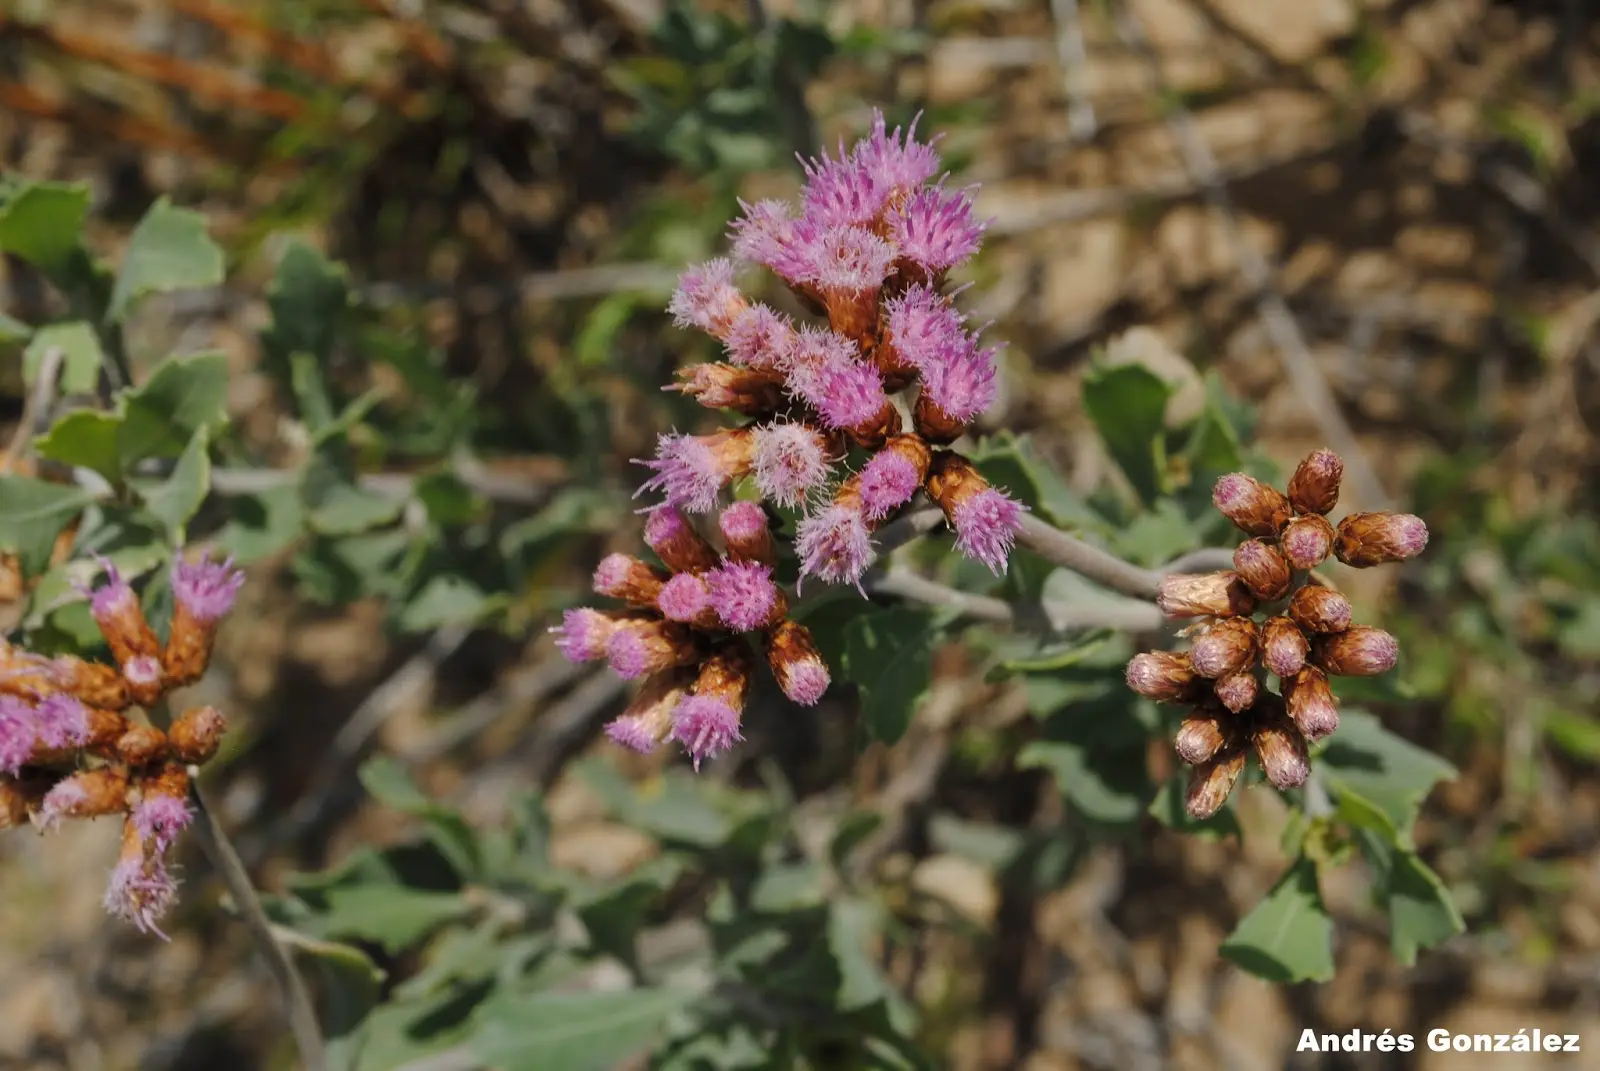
x=852, y=312
x=1200, y=736
x=1314, y=487
x=85, y=794
x=676, y=542
x=27, y=675
x=14, y=800
x=1251, y=505
x=1213, y=783
x=120, y=617
x=747, y=534
x=622, y=576
x=1165, y=676
x=642, y=646
x=796, y=663
x=952, y=480
x=1281, y=751
x=1366, y=539
x=1311, y=703
x=196, y=735
x=753, y=392
x=1283, y=647
x=876, y=430
x=141, y=745
x=1359, y=651
x=726, y=675
x=1225, y=648
x=933, y=423
x=1307, y=540
x=1318, y=609
x=147, y=676
x=91, y=683
x=1196, y=595
x=1263, y=569
x=1237, y=691
x=648, y=717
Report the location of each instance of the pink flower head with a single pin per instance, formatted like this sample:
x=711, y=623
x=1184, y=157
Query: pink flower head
x=742, y=522
x=841, y=192
x=683, y=598
x=633, y=732
x=769, y=236
x=159, y=820
x=206, y=589
x=115, y=598
x=66, y=795
x=141, y=892
x=827, y=371
x=706, y=726
x=847, y=260
x=834, y=544
x=743, y=594
x=964, y=385
x=61, y=721
x=807, y=681
x=788, y=461
x=583, y=633
x=142, y=671
x=887, y=482
x=925, y=328
x=689, y=471
x=760, y=337
x=897, y=164
x=612, y=574
x=707, y=298
x=935, y=229
x=19, y=733
x=986, y=527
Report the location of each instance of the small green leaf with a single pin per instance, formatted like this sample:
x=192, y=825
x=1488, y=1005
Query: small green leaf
x=1421, y=912
x=42, y=222
x=262, y=524
x=395, y=917
x=448, y=500
x=81, y=356
x=1288, y=936
x=573, y=1031
x=1128, y=405
x=175, y=500
x=889, y=657
x=672, y=807
x=1378, y=779
x=181, y=396
x=309, y=298
x=13, y=330
x=446, y=599
x=336, y=506
x=391, y=785
x=33, y=513
x=168, y=250
x=85, y=438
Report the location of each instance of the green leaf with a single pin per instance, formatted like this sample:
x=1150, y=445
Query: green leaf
x=889, y=657
x=448, y=499
x=81, y=356
x=32, y=514
x=262, y=524
x=446, y=599
x=392, y=916
x=1378, y=779
x=1096, y=749
x=1128, y=405
x=391, y=785
x=350, y=983
x=573, y=1031
x=336, y=506
x=672, y=807
x=85, y=438
x=13, y=330
x=168, y=250
x=181, y=396
x=175, y=500
x=1288, y=937
x=42, y=222
x=1421, y=912
x=309, y=297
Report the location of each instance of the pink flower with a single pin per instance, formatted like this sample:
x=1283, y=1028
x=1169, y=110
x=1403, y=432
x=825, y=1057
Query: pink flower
x=788, y=462
x=141, y=892
x=887, y=482
x=58, y=803
x=807, y=682
x=935, y=229
x=159, y=820
x=925, y=328
x=632, y=732
x=847, y=260
x=707, y=298
x=206, y=589
x=683, y=598
x=706, y=726
x=986, y=527
x=963, y=385
x=690, y=470
x=841, y=192
x=769, y=236
x=760, y=338
x=897, y=163
x=834, y=544
x=61, y=721
x=19, y=732
x=743, y=594
x=826, y=370
x=583, y=633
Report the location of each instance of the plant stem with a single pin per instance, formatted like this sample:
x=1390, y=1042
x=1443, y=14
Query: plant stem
x=297, y=1000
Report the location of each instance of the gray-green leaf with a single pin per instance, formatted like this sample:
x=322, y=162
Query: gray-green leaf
x=889, y=656
x=169, y=250
x=33, y=513
x=573, y=1031
x=175, y=500
x=1287, y=937
x=81, y=355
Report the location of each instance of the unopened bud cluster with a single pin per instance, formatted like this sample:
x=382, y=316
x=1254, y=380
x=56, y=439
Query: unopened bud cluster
x=1270, y=615
x=869, y=250
x=72, y=744
x=684, y=629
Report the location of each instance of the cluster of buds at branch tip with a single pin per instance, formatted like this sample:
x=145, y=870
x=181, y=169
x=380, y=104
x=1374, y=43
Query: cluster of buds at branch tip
x=72, y=745
x=686, y=631
x=869, y=248
x=1305, y=633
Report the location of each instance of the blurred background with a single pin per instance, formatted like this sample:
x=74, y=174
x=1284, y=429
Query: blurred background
x=512, y=186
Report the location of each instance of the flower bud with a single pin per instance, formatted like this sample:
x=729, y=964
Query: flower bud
x=583, y=633
x=648, y=717
x=644, y=645
x=1366, y=539
x=14, y=803
x=707, y=722
x=893, y=476
x=1359, y=651
x=687, y=598
x=1224, y=648
x=622, y=576
x=121, y=619
x=1283, y=647
x=95, y=684
x=1307, y=540
x=1318, y=609
x=986, y=520
x=141, y=889
x=196, y=735
x=1200, y=736
x=146, y=676
x=85, y=794
x=30, y=676
x=203, y=593
x=1237, y=691
x=1212, y=783
x=1262, y=568
x=752, y=392
x=1314, y=487
x=746, y=534
x=675, y=541
x=796, y=663
x=1281, y=751
x=744, y=596
x=1165, y=676
x=1311, y=703
x=1221, y=594
x=141, y=745
x=1251, y=505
